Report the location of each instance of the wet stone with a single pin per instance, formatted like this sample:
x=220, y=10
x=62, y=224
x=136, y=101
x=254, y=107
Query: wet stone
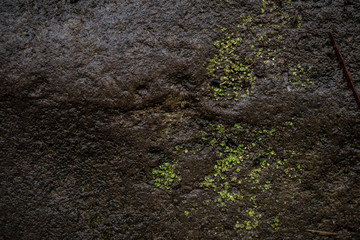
x=153, y=120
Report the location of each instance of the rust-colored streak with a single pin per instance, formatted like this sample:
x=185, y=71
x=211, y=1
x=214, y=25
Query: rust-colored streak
x=347, y=74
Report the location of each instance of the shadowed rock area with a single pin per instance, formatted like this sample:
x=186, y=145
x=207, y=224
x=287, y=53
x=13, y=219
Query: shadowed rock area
x=186, y=119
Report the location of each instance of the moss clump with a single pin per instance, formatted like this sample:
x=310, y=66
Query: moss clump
x=256, y=41
x=299, y=75
x=166, y=175
x=249, y=175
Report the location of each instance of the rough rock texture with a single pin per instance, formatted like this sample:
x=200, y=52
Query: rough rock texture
x=94, y=95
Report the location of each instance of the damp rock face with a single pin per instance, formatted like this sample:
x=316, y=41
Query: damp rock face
x=178, y=120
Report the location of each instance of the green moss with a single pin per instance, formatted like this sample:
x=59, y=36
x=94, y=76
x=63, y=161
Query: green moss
x=251, y=44
x=300, y=75
x=276, y=223
x=235, y=180
x=166, y=175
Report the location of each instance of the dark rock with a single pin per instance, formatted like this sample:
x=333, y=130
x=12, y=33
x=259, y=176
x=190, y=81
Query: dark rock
x=95, y=95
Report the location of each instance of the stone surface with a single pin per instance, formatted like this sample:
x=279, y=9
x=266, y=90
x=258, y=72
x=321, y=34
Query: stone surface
x=96, y=94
